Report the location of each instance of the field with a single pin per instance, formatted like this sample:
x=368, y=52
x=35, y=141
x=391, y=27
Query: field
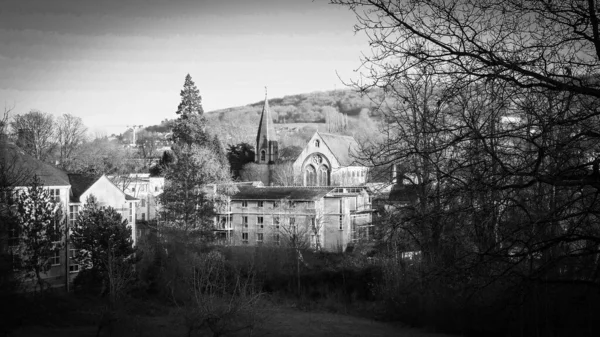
x=282, y=321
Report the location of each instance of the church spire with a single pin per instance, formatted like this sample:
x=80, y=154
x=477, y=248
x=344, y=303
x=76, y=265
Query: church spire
x=266, y=143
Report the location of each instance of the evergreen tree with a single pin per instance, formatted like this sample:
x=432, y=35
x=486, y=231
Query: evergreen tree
x=190, y=127
x=39, y=226
x=191, y=101
x=185, y=200
x=199, y=160
x=100, y=234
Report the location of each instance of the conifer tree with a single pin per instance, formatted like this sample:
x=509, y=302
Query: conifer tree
x=101, y=234
x=39, y=225
x=191, y=101
x=190, y=127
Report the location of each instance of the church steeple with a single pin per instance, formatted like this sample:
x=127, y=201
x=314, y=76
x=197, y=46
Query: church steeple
x=266, y=142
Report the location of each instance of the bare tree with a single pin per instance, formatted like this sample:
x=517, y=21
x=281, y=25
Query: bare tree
x=35, y=133
x=70, y=134
x=4, y=120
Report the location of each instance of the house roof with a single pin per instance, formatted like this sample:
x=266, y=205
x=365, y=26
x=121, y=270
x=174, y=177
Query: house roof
x=128, y=197
x=79, y=184
x=19, y=168
x=277, y=193
x=342, y=147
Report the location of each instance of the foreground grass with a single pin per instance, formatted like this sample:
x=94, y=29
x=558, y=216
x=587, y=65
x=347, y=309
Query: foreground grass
x=148, y=319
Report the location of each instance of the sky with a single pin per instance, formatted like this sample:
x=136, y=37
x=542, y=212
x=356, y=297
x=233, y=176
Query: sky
x=116, y=63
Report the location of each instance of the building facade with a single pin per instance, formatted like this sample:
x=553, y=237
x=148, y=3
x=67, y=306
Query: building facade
x=70, y=192
x=322, y=218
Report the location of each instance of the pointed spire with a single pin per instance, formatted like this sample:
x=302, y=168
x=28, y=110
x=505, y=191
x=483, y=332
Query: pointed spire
x=266, y=131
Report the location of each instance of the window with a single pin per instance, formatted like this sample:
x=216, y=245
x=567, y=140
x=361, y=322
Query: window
x=260, y=222
x=245, y=221
x=259, y=237
x=133, y=189
x=73, y=266
x=245, y=237
x=317, y=143
x=244, y=204
x=341, y=222
x=276, y=239
x=261, y=204
x=293, y=224
x=275, y=204
x=55, y=258
x=143, y=216
x=263, y=155
x=143, y=202
x=54, y=194
x=155, y=188
x=276, y=222
x=73, y=211
x=130, y=212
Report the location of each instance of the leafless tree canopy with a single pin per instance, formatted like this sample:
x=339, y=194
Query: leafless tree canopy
x=35, y=133
x=70, y=133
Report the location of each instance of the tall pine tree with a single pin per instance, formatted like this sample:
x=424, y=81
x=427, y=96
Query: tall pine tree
x=199, y=159
x=190, y=127
x=191, y=101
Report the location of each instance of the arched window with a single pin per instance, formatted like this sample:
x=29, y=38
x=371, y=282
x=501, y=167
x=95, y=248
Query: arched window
x=263, y=154
x=317, y=143
x=323, y=176
x=311, y=176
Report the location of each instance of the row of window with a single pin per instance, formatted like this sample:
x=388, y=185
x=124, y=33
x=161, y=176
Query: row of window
x=277, y=204
x=74, y=211
x=260, y=238
x=260, y=221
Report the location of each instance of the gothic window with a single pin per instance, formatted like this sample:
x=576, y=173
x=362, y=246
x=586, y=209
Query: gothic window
x=323, y=176
x=311, y=176
x=317, y=143
x=263, y=155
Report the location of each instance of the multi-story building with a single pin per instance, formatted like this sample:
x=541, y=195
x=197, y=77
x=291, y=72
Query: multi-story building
x=144, y=188
x=327, y=218
x=69, y=191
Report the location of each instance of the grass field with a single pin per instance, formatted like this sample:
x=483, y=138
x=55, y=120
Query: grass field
x=280, y=321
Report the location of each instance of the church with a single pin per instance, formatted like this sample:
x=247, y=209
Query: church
x=328, y=208
x=326, y=160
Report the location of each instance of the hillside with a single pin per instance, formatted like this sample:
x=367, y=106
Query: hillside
x=297, y=117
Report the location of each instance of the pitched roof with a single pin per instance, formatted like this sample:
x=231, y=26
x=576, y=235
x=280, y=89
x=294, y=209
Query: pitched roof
x=342, y=147
x=79, y=184
x=277, y=193
x=265, y=127
x=20, y=167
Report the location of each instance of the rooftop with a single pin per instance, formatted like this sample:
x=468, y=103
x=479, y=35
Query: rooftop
x=278, y=193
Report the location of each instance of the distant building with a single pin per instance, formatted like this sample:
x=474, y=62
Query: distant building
x=326, y=160
x=146, y=189
x=70, y=191
x=327, y=218
x=329, y=209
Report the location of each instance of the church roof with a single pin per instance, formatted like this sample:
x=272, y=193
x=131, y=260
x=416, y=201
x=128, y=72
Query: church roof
x=342, y=147
x=265, y=128
x=18, y=168
x=278, y=193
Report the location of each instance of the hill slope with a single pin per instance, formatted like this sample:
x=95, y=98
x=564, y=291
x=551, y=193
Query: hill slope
x=297, y=117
